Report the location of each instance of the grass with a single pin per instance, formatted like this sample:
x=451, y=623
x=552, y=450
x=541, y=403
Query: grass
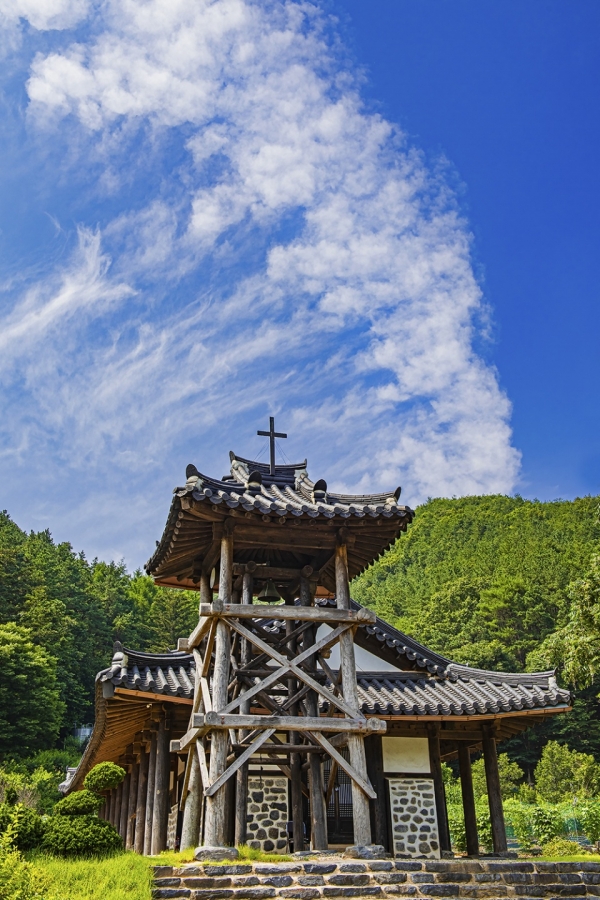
x=125, y=876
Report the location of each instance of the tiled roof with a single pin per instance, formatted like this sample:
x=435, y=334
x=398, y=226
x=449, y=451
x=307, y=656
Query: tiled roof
x=289, y=495
x=432, y=686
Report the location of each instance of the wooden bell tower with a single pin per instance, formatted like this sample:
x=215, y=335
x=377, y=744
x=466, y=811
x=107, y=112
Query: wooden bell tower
x=262, y=546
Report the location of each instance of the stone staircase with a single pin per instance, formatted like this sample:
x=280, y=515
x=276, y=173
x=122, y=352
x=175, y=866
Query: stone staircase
x=485, y=879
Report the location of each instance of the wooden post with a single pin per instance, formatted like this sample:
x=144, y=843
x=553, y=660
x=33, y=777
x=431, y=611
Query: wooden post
x=190, y=829
x=241, y=784
x=111, y=805
x=124, y=807
x=375, y=771
x=205, y=591
x=160, y=813
x=468, y=798
x=117, y=809
x=132, y=806
x=140, y=806
x=318, y=811
x=150, y=796
x=295, y=759
x=492, y=778
x=438, y=789
x=356, y=747
x=214, y=827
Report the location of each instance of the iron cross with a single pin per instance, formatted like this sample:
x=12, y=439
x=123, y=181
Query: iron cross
x=272, y=434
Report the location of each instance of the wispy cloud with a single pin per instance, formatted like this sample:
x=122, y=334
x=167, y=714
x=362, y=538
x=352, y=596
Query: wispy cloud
x=274, y=245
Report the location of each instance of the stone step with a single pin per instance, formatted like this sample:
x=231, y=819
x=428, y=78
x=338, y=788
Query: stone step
x=339, y=878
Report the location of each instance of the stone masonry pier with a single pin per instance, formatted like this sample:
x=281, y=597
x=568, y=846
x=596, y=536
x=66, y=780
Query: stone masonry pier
x=487, y=879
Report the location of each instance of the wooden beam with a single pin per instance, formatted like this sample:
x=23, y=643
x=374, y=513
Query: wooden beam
x=468, y=800
x=280, y=612
x=217, y=720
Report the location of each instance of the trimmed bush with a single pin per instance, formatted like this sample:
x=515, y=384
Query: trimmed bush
x=104, y=777
x=561, y=847
x=80, y=836
x=79, y=803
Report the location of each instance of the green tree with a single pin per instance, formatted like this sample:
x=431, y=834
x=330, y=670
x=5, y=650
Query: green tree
x=511, y=774
x=30, y=704
x=562, y=774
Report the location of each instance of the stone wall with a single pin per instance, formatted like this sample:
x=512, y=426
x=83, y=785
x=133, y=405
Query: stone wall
x=336, y=878
x=172, y=827
x=267, y=813
x=414, y=820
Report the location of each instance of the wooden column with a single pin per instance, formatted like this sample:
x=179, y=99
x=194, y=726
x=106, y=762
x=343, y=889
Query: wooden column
x=131, y=806
x=494, y=793
x=214, y=827
x=140, y=805
x=111, y=805
x=378, y=809
x=124, y=807
x=318, y=811
x=117, y=809
x=295, y=759
x=438, y=789
x=150, y=796
x=356, y=746
x=468, y=798
x=160, y=813
x=190, y=829
x=241, y=783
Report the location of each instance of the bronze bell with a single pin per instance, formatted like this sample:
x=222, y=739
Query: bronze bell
x=269, y=593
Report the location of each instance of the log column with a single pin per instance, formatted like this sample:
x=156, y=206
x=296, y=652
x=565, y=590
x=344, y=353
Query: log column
x=438, y=789
x=318, y=811
x=150, y=796
x=124, y=807
x=374, y=752
x=117, y=807
x=494, y=793
x=214, y=828
x=132, y=806
x=356, y=746
x=468, y=799
x=111, y=805
x=241, y=783
x=190, y=828
x=140, y=805
x=160, y=813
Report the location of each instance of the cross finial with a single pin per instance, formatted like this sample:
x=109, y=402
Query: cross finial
x=272, y=434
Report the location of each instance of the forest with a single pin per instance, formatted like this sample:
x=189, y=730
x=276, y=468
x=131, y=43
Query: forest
x=495, y=582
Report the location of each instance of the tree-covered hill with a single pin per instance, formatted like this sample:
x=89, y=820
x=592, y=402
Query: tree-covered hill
x=496, y=582
x=484, y=579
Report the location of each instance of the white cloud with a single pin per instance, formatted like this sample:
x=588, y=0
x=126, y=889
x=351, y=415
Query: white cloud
x=44, y=14
x=298, y=255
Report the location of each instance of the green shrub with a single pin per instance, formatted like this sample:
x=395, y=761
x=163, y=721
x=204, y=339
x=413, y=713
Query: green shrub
x=547, y=823
x=19, y=880
x=519, y=816
x=26, y=828
x=81, y=836
x=589, y=816
x=561, y=847
x=456, y=822
x=104, y=777
x=6, y=814
x=484, y=830
x=79, y=803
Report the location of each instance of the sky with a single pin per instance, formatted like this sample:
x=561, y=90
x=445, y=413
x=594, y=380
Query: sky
x=374, y=221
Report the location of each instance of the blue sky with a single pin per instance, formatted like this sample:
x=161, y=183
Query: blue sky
x=375, y=221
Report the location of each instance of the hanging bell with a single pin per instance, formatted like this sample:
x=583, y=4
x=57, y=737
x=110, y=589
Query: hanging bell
x=269, y=593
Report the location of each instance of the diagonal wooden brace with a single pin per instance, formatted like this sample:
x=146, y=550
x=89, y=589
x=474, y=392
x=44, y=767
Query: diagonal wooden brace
x=290, y=665
x=220, y=781
x=344, y=764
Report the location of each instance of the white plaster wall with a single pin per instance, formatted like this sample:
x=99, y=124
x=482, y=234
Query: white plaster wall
x=406, y=754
